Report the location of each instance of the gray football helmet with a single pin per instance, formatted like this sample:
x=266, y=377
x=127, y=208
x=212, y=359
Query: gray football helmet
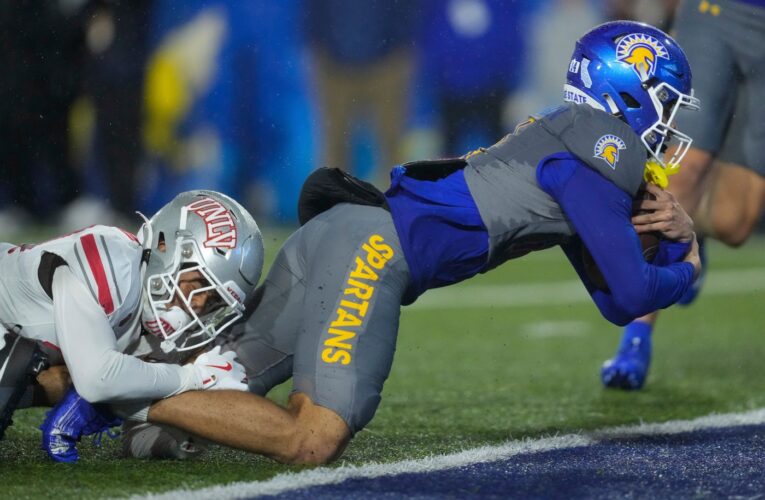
x=199, y=232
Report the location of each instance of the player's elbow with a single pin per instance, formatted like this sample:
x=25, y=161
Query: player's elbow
x=619, y=319
x=632, y=303
x=310, y=449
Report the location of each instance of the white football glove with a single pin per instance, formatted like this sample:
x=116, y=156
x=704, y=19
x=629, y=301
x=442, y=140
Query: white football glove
x=220, y=371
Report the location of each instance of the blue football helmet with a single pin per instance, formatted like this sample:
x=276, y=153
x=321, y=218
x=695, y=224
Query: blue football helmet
x=640, y=74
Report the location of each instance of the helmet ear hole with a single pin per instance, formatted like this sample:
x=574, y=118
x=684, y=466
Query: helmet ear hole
x=161, y=245
x=630, y=101
x=612, y=107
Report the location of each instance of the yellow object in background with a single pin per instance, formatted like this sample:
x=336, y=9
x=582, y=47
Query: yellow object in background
x=167, y=101
x=178, y=73
x=82, y=124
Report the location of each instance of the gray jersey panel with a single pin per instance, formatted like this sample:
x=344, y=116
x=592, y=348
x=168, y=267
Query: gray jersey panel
x=519, y=216
x=328, y=312
x=587, y=133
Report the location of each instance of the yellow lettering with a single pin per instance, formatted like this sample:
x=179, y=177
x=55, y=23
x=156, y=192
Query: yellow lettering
x=361, y=308
x=379, y=244
x=330, y=355
x=363, y=271
x=362, y=290
x=374, y=258
x=337, y=341
x=344, y=318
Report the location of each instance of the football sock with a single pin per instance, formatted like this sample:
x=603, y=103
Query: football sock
x=637, y=333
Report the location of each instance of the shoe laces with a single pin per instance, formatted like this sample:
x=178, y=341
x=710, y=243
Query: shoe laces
x=98, y=436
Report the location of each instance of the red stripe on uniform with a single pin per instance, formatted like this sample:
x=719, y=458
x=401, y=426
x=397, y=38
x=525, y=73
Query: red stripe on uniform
x=51, y=345
x=129, y=235
x=97, y=268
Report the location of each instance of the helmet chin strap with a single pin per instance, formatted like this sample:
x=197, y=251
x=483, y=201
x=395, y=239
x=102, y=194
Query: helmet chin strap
x=145, y=255
x=148, y=238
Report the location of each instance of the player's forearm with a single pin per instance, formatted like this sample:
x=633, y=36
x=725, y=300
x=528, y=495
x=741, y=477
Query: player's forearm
x=120, y=377
x=99, y=372
x=601, y=212
x=237, y=419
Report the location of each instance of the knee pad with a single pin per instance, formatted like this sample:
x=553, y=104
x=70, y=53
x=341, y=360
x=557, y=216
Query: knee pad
x=145, y=440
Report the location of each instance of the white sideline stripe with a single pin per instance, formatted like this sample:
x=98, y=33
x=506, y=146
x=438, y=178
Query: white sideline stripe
x=740, y=281
x=325, y=475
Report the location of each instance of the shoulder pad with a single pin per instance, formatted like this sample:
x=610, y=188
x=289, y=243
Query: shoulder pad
x=109, y=260
x=603, y=142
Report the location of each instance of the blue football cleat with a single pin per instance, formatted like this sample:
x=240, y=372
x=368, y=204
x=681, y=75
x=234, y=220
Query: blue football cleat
x=693, y=292
x=629, y=368
x=71, y=419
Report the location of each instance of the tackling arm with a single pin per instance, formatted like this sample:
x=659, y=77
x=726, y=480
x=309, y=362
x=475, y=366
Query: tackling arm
x=99, y=371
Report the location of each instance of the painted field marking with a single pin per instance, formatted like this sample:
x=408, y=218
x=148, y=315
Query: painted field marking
x=548, y=329
x=291, y=481
x=740, y=281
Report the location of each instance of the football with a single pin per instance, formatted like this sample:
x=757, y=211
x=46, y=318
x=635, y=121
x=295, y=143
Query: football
x=649, y=241
x=650, y=244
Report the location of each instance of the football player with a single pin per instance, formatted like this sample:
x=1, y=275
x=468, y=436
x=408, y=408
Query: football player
x=81, y=300
x=327, y=314
x=722, y=182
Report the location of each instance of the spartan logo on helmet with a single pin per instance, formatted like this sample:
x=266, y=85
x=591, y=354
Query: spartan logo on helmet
x=611, y=55
x=641, y=51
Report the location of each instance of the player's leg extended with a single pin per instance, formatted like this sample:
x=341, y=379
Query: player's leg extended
x=628, y=368
x=735, y=204
x=727, y=54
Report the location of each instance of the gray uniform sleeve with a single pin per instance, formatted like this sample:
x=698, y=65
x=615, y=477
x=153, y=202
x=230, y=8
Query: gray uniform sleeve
x=100, y=372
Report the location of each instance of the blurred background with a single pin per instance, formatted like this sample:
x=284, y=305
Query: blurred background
x=108, y=106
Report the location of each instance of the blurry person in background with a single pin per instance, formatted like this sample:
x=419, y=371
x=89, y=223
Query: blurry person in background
x=655, y=12
x=470, y=63
x=226, y=103
x=363, y=59
x=42, y=58
x=106, y=119
x=552, y=24
x=722, y=180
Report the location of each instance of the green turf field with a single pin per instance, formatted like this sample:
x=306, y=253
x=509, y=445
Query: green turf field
x=467, y=376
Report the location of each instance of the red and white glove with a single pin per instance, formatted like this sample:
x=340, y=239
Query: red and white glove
x=218, y=371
